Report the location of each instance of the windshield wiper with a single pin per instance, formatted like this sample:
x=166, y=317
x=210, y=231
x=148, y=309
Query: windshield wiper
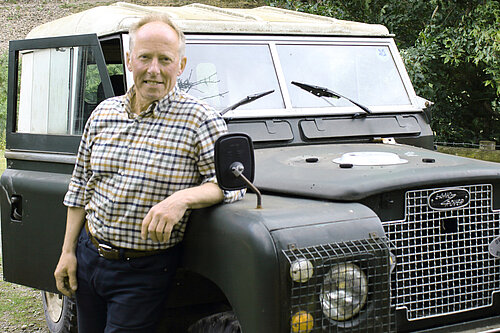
x=325, y=92
x=246, y=100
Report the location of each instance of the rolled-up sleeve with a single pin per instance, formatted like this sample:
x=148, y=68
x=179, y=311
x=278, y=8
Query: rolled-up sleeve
x=232, y=196
x=76, y=195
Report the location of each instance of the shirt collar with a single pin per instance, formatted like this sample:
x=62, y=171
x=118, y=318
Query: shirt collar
x=159, y=106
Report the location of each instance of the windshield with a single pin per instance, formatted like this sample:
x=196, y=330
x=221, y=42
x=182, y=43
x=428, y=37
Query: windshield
x=364, y=73
x=223, y=74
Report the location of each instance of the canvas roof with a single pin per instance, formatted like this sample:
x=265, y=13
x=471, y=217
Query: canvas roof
x=199, y=18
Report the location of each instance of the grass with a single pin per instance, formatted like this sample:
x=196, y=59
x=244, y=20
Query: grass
x=485, y=155
x=20, y=308
x=3, y=162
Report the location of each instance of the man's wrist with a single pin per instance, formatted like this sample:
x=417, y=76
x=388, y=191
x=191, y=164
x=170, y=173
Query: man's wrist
x=71, y=250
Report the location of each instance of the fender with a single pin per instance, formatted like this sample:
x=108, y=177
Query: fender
x=239, y=248
x=230, y=245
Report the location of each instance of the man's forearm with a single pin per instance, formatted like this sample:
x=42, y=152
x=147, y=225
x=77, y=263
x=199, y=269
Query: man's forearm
x=203, y=196
x=65, y=273
x=74, y=224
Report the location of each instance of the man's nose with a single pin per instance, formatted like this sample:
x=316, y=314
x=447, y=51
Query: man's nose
x=154, y=66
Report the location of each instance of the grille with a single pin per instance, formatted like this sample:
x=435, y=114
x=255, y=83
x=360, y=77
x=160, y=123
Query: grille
x=371, y=256
x=443, y=265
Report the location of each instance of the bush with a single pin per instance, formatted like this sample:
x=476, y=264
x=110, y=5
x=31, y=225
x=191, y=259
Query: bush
x=454, y=62
x=3, y=96
x=450, y=49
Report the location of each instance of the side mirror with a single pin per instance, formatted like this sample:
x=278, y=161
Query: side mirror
x=234, y=163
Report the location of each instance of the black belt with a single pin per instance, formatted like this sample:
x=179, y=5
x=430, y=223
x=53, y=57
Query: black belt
x=115, y=253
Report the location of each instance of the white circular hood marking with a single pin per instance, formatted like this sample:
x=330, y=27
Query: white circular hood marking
x=370, y=158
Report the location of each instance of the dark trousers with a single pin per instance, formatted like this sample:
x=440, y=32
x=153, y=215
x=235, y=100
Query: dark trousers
x=121, y=295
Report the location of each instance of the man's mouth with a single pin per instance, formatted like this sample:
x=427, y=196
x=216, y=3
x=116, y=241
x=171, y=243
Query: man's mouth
x=152, y=82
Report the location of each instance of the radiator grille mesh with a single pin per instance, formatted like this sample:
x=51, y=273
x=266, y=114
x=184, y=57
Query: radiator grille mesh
x=443, y=263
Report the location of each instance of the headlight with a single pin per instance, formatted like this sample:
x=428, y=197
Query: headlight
x=344, y=292
x=301, y=270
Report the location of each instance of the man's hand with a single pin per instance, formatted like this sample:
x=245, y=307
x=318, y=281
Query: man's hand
x=65, y=274
x=162, y=218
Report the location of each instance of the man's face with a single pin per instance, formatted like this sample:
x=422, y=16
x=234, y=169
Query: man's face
x=155, y=62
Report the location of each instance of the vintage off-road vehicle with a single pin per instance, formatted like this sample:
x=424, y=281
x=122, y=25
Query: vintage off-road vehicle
x=363, y=227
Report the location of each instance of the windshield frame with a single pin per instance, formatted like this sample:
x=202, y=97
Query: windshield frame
x=289, y=110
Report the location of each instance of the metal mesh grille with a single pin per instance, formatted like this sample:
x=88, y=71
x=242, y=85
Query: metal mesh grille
x=443, y=264
x=369, y=255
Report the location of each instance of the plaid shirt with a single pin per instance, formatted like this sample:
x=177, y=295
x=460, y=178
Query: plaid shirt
x=128, y=163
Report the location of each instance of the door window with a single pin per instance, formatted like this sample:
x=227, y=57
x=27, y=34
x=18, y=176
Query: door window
x=58, y=90
x=54, y=85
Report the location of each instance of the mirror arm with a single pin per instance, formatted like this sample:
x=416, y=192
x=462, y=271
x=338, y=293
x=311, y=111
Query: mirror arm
x=255, y=190
x=237, y=169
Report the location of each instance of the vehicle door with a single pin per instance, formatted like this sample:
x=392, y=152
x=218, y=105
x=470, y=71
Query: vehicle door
x=54, y=85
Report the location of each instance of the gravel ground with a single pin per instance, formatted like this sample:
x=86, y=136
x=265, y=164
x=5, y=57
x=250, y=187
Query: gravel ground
x=19, y=17
x=23, y=310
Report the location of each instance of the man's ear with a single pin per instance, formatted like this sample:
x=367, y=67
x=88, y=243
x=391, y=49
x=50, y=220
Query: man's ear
x=182, y=65
x=128, y=61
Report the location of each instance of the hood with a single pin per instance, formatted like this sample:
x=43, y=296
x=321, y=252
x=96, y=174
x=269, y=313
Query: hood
x=349, y=172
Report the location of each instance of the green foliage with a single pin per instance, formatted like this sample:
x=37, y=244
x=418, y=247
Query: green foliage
x=398, y=16
x=454, y=62
x=92, y=80
x=451, y=51
x=450, y=48
x=3, y=96
x=478, y=154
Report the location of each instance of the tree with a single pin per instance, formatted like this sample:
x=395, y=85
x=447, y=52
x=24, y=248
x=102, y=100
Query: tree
x=404, y=18
x=454, y=62
x=451, y=50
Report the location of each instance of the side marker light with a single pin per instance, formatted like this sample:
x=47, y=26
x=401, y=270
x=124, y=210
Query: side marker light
x=302, y=322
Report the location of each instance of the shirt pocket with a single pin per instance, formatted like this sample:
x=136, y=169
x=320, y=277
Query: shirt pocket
x=108, y=155
x=172, y=163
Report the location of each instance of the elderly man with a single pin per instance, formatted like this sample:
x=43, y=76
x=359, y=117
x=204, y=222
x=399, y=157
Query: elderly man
x=145, y=160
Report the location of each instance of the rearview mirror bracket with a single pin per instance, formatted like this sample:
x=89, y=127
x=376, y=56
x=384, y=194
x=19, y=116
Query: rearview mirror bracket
x=235, y=164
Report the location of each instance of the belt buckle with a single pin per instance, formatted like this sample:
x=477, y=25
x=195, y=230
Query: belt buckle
x=107, y=251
